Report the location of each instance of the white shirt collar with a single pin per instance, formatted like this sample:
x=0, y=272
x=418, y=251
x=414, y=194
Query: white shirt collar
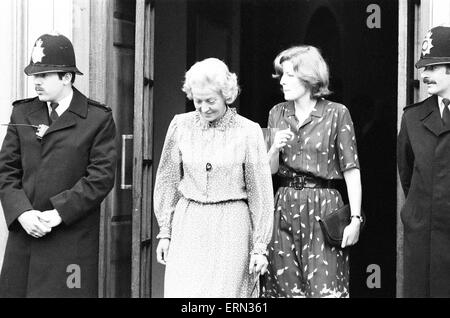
x=63, y=104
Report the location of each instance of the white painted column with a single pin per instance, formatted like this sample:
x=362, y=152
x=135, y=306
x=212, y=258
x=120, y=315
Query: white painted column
x=401, y=102
x=440, y=12
x=81, y=42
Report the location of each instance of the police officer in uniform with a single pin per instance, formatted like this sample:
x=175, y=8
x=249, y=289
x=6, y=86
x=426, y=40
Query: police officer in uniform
x=57, y=164
x=423, y=155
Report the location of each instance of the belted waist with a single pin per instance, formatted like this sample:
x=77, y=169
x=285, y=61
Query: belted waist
x=307, y=181
x=244, y=200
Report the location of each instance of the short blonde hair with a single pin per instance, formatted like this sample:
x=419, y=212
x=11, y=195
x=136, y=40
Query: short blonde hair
x=213, y=72
x=309, y=66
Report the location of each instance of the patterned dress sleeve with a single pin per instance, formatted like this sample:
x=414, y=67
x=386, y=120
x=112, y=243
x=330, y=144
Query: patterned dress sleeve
x=168, y=176
x=346, y=142
x=258, y=183
x=274, y=115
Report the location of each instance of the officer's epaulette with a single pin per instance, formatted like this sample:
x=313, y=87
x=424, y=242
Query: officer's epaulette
x=412, y=105
x=97, y=104
x=22, y=101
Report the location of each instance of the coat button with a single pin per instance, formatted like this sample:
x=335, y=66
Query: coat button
x=208, y=167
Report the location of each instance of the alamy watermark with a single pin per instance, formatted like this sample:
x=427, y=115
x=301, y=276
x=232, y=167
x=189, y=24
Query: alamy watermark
x=374, y=278
x=373, y=20
x=74, y=278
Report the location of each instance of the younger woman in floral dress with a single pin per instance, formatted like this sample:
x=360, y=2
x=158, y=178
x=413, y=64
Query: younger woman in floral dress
x=314, y=146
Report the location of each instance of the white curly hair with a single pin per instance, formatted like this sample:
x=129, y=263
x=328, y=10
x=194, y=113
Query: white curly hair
x=212, y=72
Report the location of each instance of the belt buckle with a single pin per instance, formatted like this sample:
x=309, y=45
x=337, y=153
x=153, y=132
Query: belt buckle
x=299, y=183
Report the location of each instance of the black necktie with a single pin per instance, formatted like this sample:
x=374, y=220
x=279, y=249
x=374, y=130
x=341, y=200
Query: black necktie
x=446, y=112
x=53, y=114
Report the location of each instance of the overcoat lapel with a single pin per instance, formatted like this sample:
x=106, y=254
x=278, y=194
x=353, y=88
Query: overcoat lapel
x=38, y=114
x=66, y=120
x=431, y=117
x=78, y=108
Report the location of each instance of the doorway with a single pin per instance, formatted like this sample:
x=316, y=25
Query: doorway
x=363, y=69
x=122, y=76
x=247, y=35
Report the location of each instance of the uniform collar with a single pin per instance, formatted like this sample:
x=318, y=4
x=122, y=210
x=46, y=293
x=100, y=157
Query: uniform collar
x=63, y=104
x=429, y=106
x=79, y=104
x=38, y=113
x=429, y=115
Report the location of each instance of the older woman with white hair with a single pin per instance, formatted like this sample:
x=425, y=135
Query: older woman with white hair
x=213, y=194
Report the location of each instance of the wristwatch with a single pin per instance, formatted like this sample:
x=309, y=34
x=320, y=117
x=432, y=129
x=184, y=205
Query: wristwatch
x=359, y=217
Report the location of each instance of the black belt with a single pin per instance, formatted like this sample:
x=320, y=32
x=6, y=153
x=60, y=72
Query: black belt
x=304, y=181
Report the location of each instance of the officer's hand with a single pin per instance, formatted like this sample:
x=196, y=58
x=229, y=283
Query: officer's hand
x=162, y=251
x=32, y=225
x=50, y=218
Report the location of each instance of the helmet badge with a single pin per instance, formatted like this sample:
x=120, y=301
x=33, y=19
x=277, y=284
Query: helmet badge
x=38, y=52
x=427, y=45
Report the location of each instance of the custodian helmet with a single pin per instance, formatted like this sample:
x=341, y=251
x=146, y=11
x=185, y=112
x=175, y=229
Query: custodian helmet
x=52, y=53
x=435, y=47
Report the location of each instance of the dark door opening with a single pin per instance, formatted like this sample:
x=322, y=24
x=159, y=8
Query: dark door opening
x=248, y=34
x=363, y=68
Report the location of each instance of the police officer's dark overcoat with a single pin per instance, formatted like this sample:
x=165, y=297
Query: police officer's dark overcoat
x=71, y=169
x=424, y=167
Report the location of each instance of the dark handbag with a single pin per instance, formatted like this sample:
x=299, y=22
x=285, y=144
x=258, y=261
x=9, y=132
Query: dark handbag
x=333, y=225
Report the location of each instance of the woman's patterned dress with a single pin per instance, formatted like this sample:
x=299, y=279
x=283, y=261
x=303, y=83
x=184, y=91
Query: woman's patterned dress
x=301, y=263
x=214, y=198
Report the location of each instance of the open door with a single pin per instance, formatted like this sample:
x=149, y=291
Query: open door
x=143, y=153
x=121, y=70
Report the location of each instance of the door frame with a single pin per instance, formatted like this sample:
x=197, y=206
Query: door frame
x=99, y=85
x=143, y=151
x=99, y=72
